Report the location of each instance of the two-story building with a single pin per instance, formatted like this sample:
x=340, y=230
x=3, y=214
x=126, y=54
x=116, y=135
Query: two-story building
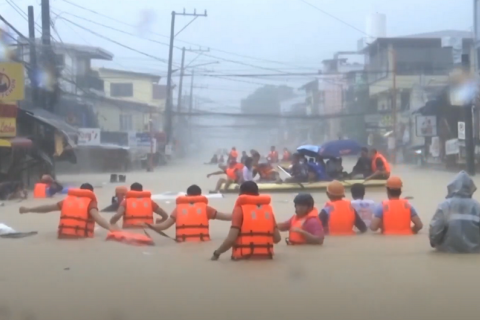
x=413, y=68
x=142, y=90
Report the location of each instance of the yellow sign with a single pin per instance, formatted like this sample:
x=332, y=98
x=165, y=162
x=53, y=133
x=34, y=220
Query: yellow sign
x=12, y=82
x=8, y=127
x=5, y=143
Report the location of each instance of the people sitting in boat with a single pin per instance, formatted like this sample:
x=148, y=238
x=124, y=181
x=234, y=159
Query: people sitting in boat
x=247, y=171
x=334, y=168
x=298, y=170
x=454, y=227
x=233, y=172
x=233, y=154
x=317, y=170
x=244, y=157
x=338, y=216
x=395, y=215
x=286, y=155
x=272, y=155
x=380, y=166
x=363, y=167
x=265, y=171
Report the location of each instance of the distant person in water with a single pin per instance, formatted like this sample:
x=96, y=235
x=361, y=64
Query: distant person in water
x=213, y=160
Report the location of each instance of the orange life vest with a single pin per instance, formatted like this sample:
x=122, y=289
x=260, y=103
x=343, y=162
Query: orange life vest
x=192, y=223
x=40, y=190
x=255, y=239
x=297, y=222
x=396, y=217
x=264, y=170
x=273, y=155
x=342, y=218
x=234, y=154
x=232, y=171
x=135, y=239
x=75, y=220
x=286, y=156
x=385, y=162
x=138, y=209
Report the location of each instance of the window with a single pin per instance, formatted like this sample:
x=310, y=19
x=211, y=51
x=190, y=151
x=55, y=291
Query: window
x=126, y=122
x=121, y=89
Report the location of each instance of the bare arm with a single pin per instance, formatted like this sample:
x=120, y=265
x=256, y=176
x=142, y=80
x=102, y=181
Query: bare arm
x=163, y=225
x=417, y=224
x=118, y=215
x=277, y=237
x=40, y=209
x=223, y=216
x=229, y=241
x=376, y=224
x=216, y=173
x=283, y=226
x=161, y=213
x=100, y=220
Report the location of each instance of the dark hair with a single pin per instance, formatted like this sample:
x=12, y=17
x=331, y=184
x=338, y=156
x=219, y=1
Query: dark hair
x=357, y=190
x=86, y=186
x=136, y=187
x=249, y=188
x=194, y=190
x=394, y=192
x=373, y=150
x=304, y=199
x=248, y=161
x=364, y=149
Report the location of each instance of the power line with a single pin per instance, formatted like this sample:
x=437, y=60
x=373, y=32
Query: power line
x=113, y=41
x=191, y=43
x=334, y=17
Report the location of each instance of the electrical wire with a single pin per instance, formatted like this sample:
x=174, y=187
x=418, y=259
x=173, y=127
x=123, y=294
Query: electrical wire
x=191, y=43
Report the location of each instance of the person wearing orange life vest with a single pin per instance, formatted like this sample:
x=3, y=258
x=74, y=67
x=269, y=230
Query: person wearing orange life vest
x=46, y=187
x=233, y=154
x=286, y=155
x=380, y=166
x=191, y=217
x=395, y=216
x=265, y=171
x=304, y=227
x=272, y=155
x=137, y=209
x=254, y=231
x=338, y=216
x=79, y=213
x=233, y=172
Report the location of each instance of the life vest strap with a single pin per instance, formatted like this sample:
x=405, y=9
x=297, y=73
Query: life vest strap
x=86, y=230
x=136, y=217
x=75, y=218
x=192, y=226
x=203, y=237
x=256, y=234
x=252, y=254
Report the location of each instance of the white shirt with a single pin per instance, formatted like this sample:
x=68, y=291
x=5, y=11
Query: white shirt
x=364, y=209
x=247, y=174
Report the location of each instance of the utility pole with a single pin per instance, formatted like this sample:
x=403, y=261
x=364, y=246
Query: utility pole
x=48, y=60
x=394, y=105
x=468, y=118
x=33, y=56
x=190, y=106
x=169, y=104
x=180, y=84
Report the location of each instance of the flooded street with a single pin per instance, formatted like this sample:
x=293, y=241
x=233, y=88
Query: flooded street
x=363, y=277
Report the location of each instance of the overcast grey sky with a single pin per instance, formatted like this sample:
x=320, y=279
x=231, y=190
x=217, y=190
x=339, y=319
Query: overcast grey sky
x=288, y=31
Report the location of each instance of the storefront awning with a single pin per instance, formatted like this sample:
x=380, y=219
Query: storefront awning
x=16, y=142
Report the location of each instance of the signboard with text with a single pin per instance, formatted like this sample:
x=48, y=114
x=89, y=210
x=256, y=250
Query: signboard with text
x=12, y=82
x=8, y=127
x=89, y=137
